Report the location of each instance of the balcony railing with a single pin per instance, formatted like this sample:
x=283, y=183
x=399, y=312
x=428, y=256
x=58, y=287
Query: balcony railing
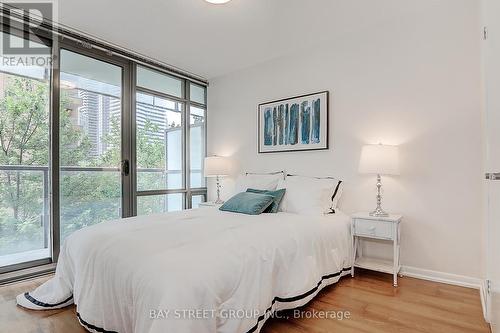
x=27, y=230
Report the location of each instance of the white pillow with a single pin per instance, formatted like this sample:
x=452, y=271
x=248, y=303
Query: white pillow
x=310, y=196
x=258, y=181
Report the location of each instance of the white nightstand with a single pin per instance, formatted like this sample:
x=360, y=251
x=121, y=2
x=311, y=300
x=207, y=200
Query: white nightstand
x=209, y=205
x=381, y=228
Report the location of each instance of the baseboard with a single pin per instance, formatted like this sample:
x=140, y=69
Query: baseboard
x=454, y=279
x=482, y=291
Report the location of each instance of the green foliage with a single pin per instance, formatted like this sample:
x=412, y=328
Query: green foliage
x=24, y=122
x=74, y=144
x=24, y=128
x=151, y=150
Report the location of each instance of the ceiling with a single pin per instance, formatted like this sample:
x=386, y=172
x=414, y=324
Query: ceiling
x=214, y=40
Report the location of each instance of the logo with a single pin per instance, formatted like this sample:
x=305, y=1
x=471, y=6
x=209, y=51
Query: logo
x=27, y=37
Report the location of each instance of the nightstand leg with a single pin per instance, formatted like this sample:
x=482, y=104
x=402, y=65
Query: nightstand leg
x=354, y=250
x=395, y=267
x=396, y=255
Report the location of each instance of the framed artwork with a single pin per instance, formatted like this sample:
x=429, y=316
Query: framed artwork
x=294, y=124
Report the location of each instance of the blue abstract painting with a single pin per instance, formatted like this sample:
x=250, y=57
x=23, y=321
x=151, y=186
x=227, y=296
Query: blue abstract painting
x=294, y=124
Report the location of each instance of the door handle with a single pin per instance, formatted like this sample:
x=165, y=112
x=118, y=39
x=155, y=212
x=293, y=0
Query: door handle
x=493, y=176
x=125, y=166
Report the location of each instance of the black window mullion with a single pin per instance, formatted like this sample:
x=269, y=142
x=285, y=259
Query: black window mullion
x=54, y=154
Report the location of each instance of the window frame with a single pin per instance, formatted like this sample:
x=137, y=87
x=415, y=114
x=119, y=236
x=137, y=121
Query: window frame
x=186, y=189
x=128, y=152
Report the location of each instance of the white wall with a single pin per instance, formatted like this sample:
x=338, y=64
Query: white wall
x=413, y=82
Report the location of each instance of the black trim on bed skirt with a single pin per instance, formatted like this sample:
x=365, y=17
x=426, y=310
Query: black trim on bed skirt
x=92, y=327
x=45, y=305
x=276, y=299
x=296, y=298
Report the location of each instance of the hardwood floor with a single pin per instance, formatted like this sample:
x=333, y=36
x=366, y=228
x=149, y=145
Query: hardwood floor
x=373, y=304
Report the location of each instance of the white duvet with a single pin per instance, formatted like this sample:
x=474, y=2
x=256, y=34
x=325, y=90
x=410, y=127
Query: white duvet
x=194, y=271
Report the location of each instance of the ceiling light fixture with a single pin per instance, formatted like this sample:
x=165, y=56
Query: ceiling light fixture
x=218, y=2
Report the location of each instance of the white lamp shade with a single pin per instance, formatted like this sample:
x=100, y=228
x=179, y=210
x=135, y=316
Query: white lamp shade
x=379, y=159
x=216, y=166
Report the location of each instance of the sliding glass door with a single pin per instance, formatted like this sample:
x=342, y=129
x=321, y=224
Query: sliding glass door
x=90, y=141
x=24, y=161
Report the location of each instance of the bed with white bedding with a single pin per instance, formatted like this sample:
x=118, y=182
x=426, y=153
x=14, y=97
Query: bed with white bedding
x=199, y=270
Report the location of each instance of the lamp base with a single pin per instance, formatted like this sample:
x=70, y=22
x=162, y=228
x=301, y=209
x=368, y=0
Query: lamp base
x=219, y=201
x=379, y=212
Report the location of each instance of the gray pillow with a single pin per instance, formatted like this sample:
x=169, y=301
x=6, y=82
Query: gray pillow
x=248, y=203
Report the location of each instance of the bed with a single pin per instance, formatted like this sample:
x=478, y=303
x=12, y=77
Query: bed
x=200, y=270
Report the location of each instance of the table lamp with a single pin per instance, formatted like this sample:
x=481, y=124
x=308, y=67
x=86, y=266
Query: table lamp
x=379, y=160
x=217, y=166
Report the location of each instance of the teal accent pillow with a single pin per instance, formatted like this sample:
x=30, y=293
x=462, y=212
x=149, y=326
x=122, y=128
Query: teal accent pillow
x=277, y=195
x=248, y=203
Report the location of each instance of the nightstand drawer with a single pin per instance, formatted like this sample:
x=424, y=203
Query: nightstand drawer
x=373, y=228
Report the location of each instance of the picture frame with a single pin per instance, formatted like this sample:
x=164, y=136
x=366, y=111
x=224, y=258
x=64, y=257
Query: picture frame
x=299, y=123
